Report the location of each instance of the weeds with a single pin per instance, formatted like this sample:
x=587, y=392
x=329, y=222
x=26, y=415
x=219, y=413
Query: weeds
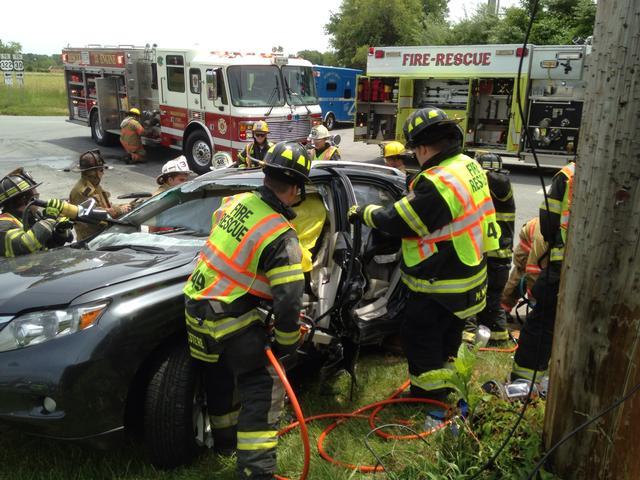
x=42, y=94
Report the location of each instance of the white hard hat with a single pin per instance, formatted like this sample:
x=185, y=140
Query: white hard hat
x=319, y=132
x=177, y=165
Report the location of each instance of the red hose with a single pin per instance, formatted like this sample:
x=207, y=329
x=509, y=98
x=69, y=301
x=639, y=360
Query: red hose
x=304, y=433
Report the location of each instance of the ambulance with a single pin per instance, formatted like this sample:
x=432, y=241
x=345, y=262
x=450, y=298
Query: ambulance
x=476, y=84
x=196, y=101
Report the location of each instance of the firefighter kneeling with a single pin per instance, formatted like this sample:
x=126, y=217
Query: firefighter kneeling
x=252, y=258
x=447, y=223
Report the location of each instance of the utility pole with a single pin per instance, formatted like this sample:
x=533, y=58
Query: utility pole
x=596, y=353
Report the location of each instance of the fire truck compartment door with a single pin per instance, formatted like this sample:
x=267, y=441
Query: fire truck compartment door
x=107, y=92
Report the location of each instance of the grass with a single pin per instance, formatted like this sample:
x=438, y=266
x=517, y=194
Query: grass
x=42, y=94
x=444, y=455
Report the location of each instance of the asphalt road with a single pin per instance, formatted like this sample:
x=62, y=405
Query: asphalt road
x=46, y=146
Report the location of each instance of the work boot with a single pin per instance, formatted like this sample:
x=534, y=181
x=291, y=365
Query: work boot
x=499, y=335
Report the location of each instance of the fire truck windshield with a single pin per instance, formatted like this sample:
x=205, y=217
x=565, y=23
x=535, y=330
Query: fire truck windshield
x=301, y=84
x=255, y=86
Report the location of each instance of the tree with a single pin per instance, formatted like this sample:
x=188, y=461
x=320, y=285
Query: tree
x=596, y=353
x=476, y=29
x=11, y=47
x=314, y=56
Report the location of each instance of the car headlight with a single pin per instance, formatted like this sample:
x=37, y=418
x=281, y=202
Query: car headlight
x=37, y=327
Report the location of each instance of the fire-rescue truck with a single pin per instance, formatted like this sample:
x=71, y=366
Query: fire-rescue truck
x=195, y=101
x=476, y=84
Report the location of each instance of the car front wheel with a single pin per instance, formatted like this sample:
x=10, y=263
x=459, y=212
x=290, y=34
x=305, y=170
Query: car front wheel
x=175, y=420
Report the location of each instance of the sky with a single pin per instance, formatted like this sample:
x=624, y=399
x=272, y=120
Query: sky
x=46, y=26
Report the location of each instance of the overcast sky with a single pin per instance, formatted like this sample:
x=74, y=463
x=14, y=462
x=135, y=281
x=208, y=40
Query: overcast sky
x=46, y=26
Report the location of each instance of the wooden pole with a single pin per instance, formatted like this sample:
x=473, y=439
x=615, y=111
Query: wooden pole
x=596, y=352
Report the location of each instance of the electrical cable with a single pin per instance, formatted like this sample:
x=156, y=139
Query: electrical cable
x=381, y=427
x=580, y=427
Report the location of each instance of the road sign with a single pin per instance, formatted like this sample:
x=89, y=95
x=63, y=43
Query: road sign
x=18, y=64
x=6, y=64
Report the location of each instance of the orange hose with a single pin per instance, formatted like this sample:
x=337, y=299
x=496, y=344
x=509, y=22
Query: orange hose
x=304, y=433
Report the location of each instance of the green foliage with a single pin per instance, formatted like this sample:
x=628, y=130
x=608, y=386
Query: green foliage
x=42, y=94
x=318, y=58
x=10, y=47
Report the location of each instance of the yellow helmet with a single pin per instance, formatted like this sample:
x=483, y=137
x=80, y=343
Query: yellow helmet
x=135, y=111
x=261, y=126
x=392, y=149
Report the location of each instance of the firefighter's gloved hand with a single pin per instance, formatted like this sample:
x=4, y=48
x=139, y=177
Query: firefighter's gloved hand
x=56, y=208
x=64, y=224
x=355, y=213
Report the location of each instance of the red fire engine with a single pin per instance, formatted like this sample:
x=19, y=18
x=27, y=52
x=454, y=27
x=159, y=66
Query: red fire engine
x=198, y=102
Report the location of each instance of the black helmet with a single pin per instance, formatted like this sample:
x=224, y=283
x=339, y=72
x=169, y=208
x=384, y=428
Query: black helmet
x=16, y=183
x=490, y=161
x=290, y=161
x=429, y=125
x=90, y=160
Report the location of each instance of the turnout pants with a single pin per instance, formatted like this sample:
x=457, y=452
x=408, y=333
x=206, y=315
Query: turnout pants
x=536, y=336
x=245, y=399
x=493, y=316
x=430, y=336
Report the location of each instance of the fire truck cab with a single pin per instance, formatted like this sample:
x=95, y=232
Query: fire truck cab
x=198, y=102
x=477, y=85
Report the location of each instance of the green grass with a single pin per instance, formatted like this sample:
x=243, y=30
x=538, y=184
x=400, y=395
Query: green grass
x=42, y=94
x=443, y=456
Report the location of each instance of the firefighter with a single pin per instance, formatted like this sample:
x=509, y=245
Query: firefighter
x=251, y=259
x=17, y=190
x=394, y=155
x=174, y=172
x=447, y=222
x=536, y=336
x=131, y=131
x=529, y=258
x=258, y=149
x=322, y=149
x=498, y=261
x=91, y=167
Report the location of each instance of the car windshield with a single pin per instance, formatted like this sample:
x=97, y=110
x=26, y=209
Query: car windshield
x=301, y=85
x=180, y=217
x=255, y=86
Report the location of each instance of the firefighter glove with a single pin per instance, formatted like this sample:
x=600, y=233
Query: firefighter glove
x=354, y=214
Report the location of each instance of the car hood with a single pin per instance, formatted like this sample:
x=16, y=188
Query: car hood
x=56, y=277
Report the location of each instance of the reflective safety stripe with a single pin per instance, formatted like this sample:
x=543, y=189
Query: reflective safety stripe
x=286, y=338
x=526, y=373
x=10, y=218
x=555, y=206
x=327, y=154
x=257, y=440
x=473, y=309
x=368, y=215
x=499, y=335
x=557, y=254
x=21, y=186
x=210, y=358
x=445, y=286
x=410, y=217
x=422, y=381
x=457, y=186
x=500, y=253
x=505, y=217
x=221, y=328
x=533, y=269
x=224, y=421
x=285, y=274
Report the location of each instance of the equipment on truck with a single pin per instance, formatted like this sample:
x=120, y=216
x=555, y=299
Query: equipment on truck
x=196, y=101
x=476, y=84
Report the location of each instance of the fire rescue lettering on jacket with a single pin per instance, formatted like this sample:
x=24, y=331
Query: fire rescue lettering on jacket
x=233, y=223
x=477, y=179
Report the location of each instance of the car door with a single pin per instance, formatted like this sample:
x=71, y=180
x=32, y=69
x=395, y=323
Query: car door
x=377, y=311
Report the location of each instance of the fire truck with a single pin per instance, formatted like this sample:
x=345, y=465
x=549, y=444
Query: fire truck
x=477, y=85
x=198, y=102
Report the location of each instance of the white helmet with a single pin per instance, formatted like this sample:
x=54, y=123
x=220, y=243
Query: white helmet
x=319, y=132
x=177, y=165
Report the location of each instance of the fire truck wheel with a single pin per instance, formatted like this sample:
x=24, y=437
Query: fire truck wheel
x=176, y=425
x=97, y=132
x=330, y=122
x=199, y=152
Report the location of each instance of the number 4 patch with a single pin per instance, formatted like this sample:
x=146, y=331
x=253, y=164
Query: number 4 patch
x=491, y=231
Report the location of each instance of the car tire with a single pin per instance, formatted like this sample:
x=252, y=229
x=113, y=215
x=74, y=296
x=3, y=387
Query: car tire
x=330, y=121
x=98, y=134
x=173, y=396
x=199, y=152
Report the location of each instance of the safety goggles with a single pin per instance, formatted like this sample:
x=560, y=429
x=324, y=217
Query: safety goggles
x=259, y=135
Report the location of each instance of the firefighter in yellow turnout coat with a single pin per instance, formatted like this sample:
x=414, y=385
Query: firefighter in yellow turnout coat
x=252, y=258
x=447, y=223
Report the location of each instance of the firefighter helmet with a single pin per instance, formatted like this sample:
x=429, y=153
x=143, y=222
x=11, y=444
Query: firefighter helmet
x=90, y=160
x=319, y=132
x=135, y=111
x=393, y=149
x=490, y=161
x=290, y=161
x=429, y=125
x=260, y=126
x=177, y=165
x=17, y=182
